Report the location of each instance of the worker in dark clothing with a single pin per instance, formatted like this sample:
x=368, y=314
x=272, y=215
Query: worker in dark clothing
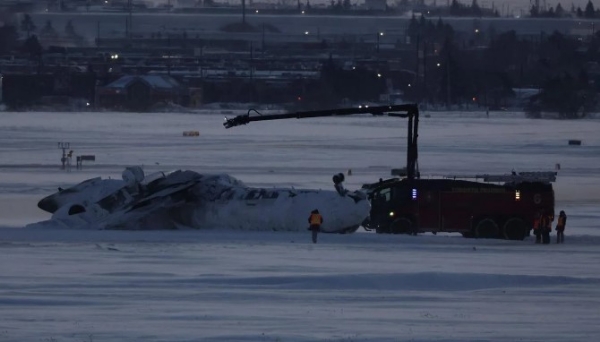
x=560, y=227
x=315, y=220
x=537, y=231
x=545, y=227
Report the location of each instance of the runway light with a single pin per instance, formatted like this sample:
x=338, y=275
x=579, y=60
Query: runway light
x=302, y=12
x=305, y=32
x=391, y=214
x=474, y=99
x=409, y=84
x=439, y=65
x=256, y=11
x=87, y=104
x=381, y=33
x=378, y=75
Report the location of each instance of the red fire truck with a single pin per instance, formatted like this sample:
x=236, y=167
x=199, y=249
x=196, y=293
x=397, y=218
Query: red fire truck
x=473, y=208
x=502, y=206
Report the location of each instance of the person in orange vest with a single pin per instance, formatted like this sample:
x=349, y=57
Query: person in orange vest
x=545, y=227
x=536, y=228
x=560, y=227
x=315, y=220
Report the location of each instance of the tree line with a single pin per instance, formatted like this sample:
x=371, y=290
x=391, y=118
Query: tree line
x=589, y=12
x=484, y=67
x=9, y=36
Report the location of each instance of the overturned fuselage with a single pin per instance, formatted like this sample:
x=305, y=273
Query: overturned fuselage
x=191, y=200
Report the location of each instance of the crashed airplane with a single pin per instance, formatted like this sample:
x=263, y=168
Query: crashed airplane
x=187, y=199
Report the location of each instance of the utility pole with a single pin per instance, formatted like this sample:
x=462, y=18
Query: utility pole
x=252, y=91
x=424, y=70
x=263, y=38
x=169, y=54
x=417, y=68
x=251, y=63
x=130, y=8
x=244, y=12
x=448, y=80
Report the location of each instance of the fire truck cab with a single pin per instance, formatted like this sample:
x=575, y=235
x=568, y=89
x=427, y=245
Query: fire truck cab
x=473, y=208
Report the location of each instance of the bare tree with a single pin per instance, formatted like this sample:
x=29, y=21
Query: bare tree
x=27, y=25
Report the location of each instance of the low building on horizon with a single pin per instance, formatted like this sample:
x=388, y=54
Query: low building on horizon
x=140, y=92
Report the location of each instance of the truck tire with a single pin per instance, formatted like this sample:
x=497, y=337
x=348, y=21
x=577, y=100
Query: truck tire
x=515, y=229
x=401, y=226
x=486, y=228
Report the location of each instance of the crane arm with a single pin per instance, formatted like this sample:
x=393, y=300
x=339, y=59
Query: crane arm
x=409, y=111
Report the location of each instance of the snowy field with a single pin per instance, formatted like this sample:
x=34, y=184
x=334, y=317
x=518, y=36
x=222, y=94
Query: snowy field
x=215, y=285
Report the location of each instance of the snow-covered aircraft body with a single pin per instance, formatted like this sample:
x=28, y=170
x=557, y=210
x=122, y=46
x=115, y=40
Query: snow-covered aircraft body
x=189, y=199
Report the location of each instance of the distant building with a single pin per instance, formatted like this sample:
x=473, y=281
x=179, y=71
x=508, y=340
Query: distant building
x=523, y=96
x=376, y=5
x=140, y=93
x=582, y=32
x=21, y=6
x=187, y=3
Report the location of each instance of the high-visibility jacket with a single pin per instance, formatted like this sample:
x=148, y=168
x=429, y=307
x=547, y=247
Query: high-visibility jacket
x=562, y=220
x=315, y=219
x=545, y=222
x=536, y=223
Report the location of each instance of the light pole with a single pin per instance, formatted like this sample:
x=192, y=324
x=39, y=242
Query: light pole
x=130, y=21
x=379, y=34
x=244, y=12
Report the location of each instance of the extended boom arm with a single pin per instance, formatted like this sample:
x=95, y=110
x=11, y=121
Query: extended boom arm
x=410, y=111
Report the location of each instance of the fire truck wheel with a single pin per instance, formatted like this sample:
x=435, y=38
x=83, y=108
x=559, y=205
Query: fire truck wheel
x=515, y=229
x=401, y=226
x=486, y=228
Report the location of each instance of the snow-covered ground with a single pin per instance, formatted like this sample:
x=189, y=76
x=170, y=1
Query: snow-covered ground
x=73, y=285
